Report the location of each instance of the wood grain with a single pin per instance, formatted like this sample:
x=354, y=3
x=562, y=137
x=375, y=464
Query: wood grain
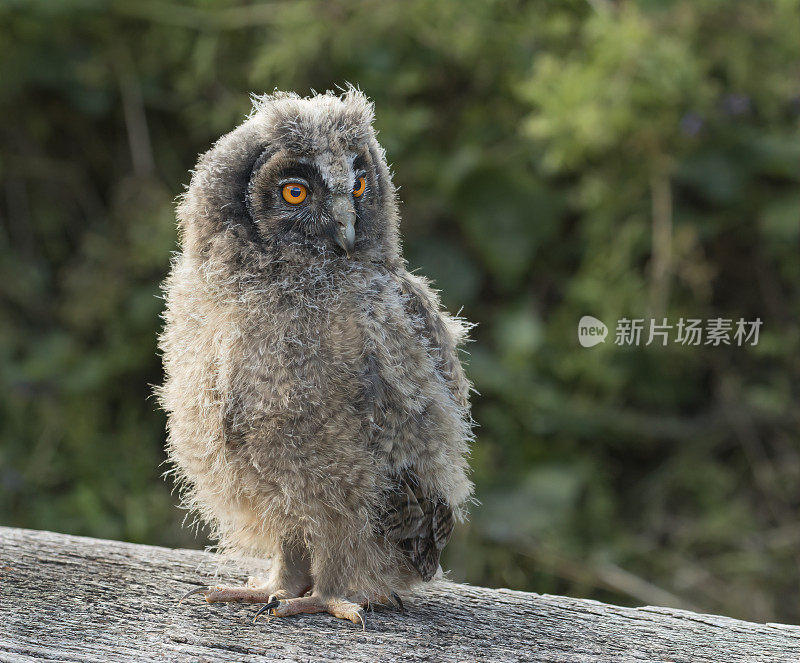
x=68, y=598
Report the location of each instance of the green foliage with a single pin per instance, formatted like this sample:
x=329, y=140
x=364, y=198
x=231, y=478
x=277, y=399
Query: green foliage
x=618, y=159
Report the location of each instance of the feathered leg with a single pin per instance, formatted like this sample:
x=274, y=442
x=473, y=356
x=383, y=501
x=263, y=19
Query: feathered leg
x=289, y=577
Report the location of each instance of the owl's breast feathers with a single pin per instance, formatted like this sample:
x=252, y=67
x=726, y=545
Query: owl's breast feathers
x=366, y=367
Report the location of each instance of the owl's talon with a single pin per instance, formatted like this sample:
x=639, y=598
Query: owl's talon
x=265, y=608
x=197, y=590
x=399, y=602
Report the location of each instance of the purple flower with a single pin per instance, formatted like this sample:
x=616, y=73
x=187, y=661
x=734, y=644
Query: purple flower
x=691, y=124
x=736, y=104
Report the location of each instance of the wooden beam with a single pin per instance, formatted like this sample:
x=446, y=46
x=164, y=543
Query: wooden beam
x=69, y=598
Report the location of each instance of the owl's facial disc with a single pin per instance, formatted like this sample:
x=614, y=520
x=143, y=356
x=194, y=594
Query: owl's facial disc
x=318, y=199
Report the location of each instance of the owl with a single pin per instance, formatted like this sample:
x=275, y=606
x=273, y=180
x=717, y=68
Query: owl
x=318, y=412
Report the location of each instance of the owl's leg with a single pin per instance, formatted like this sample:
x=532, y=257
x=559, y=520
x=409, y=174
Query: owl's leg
x=289, y=577
x=332, y=573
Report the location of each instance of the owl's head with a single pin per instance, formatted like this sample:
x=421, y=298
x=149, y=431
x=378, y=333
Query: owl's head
x=300, y=177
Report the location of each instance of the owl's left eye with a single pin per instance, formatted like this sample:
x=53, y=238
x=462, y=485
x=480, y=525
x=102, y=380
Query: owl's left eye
x=361, y=185
x=294, y=193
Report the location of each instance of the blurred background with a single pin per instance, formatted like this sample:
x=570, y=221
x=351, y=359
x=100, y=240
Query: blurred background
x=556, y=159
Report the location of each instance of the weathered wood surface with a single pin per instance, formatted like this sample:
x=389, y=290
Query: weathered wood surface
x=67, y=598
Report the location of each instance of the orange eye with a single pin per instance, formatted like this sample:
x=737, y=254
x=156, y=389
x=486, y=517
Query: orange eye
x=360, y=186
x=294, y=193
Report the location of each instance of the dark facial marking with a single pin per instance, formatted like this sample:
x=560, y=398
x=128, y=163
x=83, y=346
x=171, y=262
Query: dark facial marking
x=281, y=214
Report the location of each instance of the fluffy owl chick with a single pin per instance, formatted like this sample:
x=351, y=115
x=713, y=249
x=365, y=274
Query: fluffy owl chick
x=318, y=410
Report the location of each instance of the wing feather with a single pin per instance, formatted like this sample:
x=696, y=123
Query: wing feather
x=443, y=332
x=418, y=523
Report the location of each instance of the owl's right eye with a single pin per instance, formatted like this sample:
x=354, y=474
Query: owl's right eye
x=294, y=193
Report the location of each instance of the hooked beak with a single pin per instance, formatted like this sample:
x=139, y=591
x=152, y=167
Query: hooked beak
x=345, y=217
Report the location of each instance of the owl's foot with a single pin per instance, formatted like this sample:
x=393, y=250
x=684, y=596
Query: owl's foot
x=250, y=593
x=308, y=605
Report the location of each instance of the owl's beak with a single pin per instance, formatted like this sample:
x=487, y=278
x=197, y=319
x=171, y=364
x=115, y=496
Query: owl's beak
x=345, y=217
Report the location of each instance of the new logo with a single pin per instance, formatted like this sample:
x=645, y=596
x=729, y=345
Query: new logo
x=591, y=331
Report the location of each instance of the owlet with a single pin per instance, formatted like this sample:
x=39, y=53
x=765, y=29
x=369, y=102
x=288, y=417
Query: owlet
x=318, y=410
